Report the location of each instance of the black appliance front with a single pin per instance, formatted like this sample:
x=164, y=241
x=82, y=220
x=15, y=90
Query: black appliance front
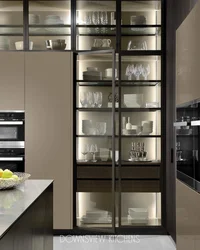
x=12, y=126
x=12, y=159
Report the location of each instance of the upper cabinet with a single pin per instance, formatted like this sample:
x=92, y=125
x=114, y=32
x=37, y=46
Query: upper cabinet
x=80, y=25
x=11, y=24
x=12, y=81
x=49, y=25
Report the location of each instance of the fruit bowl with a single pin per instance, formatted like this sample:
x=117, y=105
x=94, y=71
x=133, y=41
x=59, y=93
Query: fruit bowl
x=8, y=183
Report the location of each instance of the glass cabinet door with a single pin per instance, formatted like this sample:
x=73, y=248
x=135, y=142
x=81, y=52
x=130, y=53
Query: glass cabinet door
x=95, y=25
x=96, y=142
x=50, y=25
x=141, y=25
x=11, y=25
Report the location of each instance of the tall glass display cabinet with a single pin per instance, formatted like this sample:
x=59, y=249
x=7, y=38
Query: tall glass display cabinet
x=119, y=103
x=119, y=161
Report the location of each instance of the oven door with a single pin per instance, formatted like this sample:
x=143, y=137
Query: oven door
x=14, y=164
x=11, y=131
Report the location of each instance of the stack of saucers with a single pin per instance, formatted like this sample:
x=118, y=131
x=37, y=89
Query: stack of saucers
x=4, y=43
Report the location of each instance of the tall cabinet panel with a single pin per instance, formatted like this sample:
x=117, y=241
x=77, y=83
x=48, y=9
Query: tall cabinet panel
x=12, y=81
x=48, y=132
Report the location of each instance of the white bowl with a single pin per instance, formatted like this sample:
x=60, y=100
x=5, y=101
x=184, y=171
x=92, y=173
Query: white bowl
x=20, y=45
x=133, y=100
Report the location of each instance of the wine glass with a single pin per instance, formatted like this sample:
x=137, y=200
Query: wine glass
x=104, y=20
x=93, y=151
x=137, y=71
x=128, y=72
x=88, y=20
x=99, y=99
x=83, y=99
x=146, y=71
x=96, y=19
x=90, y=99
x=85, y=151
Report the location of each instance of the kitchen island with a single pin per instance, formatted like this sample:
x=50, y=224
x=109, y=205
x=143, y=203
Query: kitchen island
x=26, y=216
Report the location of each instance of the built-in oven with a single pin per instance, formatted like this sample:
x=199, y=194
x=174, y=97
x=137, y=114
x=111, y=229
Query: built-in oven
x=12, y=140
x=12, y=126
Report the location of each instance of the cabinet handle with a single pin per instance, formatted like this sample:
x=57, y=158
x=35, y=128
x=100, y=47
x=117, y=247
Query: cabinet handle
x=172, y=155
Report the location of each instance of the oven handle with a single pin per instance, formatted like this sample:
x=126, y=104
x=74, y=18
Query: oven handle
x=11, y=122
x=11, y=158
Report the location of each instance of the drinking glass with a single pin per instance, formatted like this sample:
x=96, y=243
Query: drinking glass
x=93, y=151
x=85, y=151
x=128, y=71
x=137, y=71
x=99, y=99
x=146, y=71
x=101, y=128
x=88, y=20
x=134, y=45
x=96, y=19
x=83, y=99
x=90, y=99
x=104, y=21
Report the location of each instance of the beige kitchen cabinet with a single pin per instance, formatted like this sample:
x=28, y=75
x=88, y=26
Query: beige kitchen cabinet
x=11, y=80
x=187, y=58
x=187, y=217
x=48, y=129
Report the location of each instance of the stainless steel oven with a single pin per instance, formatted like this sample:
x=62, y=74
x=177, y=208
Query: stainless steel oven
x=12, y=126
x=12, y=140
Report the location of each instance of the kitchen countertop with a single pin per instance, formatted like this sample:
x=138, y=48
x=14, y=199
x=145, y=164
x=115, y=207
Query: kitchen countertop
x=13, y=203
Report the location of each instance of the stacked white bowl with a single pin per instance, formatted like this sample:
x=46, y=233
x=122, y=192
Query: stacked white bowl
x=53, y=20
x=96, y=216
x=34, y=19
x=138, y=215
x=133, y=100
x=147, y=127
x=4, y=43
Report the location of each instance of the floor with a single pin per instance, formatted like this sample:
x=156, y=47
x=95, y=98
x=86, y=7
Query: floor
x=114, y=243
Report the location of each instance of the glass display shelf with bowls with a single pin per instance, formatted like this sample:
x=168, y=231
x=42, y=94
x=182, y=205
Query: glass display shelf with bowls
x=50, y=25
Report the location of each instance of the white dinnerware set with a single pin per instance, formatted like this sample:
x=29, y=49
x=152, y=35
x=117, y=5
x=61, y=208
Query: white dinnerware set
x=138, y=215
x=133, y=100
x=146, y=127
x=134, y=72
x=96, y=217
x=93, y=128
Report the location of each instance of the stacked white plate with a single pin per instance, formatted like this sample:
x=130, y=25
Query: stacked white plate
x=96, y=217
x=138, y=215
x=92, y=74
x=133, y=100
x=4, y=43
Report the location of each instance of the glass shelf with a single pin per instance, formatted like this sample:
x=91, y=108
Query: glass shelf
x=14, y=30
x=116, y=109
x=145, y=30
x=49, y=30
x=93, y=30
x=124, y=83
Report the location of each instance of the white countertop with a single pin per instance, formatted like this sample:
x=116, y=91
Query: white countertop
x=16, y=201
